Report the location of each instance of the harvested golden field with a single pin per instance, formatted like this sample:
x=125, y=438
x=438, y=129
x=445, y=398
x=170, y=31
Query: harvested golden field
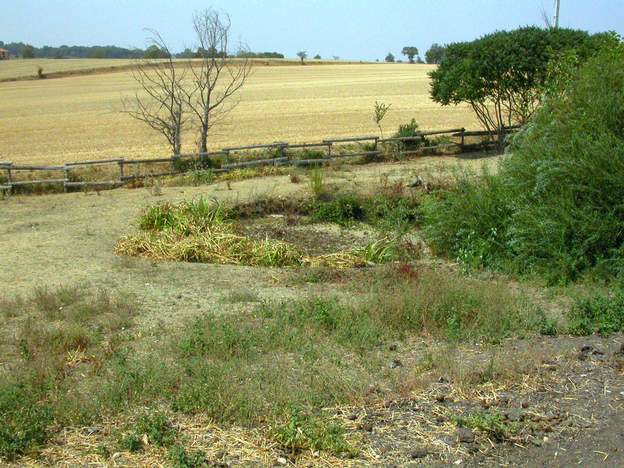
x=18, y=69
x=78, y=117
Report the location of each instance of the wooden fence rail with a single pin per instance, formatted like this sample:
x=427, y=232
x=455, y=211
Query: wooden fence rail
x=230, y=159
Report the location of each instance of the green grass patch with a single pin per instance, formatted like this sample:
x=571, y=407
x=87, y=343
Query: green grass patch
x=493, y=425
x=602, y=314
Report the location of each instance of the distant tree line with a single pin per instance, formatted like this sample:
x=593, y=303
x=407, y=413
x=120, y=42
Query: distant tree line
x=21, y=49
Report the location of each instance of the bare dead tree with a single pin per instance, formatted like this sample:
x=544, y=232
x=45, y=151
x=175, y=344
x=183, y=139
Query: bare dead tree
x=214, y=78
x=159, y=102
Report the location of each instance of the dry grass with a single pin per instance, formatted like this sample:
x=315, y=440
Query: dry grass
x=78, y=118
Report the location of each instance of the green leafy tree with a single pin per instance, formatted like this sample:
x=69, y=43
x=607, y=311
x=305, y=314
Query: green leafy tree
x=317, y=57
x=155, y=52
x=435, y=54
x=302, y=54
x=502, y=75
x=410, y=52
x=389, y=58
x=28, y=52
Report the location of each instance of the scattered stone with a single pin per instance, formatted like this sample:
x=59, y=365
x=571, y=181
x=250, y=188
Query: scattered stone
x=220, y=454
x=440, y=397
x=419, y=453
x=282, y=461
x=417, y=182
x=598, y=352
x=393, y=347
x=352, y=417
x=504, y=398
x=395, y=363
x=465, y=435
x=365, y=426
x=525, y=404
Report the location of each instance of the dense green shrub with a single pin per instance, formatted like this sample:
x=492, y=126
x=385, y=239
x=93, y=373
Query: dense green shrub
x=599, y=314
x=342, y=210
x=555, y=206
x=409, y=129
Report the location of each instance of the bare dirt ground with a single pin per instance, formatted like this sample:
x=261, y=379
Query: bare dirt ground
x=563, y=396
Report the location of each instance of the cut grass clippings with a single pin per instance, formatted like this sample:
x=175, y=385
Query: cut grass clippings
x=202, y=231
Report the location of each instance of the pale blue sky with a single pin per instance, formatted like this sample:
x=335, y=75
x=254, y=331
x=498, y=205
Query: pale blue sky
x=351, y=29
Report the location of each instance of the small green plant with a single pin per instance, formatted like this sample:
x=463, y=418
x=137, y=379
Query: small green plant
x=24, y=419
x=302, y=432
x=380, y=251
x=379, y=112
x=155, y=428
x=598, y=314
x=492, y=424
x=409, y=129
x=181, y=458
x=202, y=176
x=343, y=210
x=317, y=184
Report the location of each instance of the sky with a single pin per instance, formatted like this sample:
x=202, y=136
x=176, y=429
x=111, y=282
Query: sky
x=349, y=29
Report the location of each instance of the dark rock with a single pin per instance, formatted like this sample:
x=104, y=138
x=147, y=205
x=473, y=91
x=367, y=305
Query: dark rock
x=352, y=417
x=598, y=352
x=393, y=347
x=465, y=435
x=525, y=404
x=365, y=426
x=395, y=364
x=417, y=182
x=419, y=453
x=514, y=414
x=504, y=398
x=586, y=348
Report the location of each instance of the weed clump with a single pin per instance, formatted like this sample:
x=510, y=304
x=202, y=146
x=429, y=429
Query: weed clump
x=200, y=231
x=24, y=420
x=599, y=314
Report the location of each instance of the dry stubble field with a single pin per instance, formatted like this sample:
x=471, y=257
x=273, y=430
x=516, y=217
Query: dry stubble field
x=78, y=117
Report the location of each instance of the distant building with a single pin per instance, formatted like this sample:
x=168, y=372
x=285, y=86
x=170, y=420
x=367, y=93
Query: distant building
x=4, y=54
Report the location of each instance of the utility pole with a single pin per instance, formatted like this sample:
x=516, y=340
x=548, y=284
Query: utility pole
x=556, y=19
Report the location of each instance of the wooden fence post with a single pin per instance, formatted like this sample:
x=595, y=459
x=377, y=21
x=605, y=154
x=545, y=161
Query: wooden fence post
x=463, y=131
x=66, y=173
x=121, y=171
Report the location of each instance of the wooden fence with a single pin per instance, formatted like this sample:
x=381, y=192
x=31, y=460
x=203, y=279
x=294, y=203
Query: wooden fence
x=228, y=159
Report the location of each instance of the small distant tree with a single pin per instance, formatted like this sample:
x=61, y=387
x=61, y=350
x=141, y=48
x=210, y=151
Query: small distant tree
x=214, y=80
x=155, y=52
x=410, y=52
x=160, y=101
x=435, y=54
x=419, y=60
x=28, y=51
x=317, y=57
x=389, y=58
x=379, y=112
x=335, y=57
x=302, y=54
